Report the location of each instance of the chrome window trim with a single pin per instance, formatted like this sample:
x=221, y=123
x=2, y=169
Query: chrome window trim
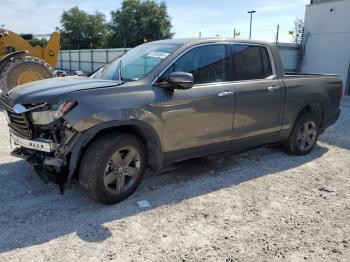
x=236, y=82
x=273, y=66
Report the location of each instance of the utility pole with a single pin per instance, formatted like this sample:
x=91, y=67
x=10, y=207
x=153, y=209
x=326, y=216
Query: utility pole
x=200, y=34
x=251, y=21
x=234, y=33
x=277, y=33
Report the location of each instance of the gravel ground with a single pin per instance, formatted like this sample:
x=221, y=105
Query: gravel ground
x=261, y=205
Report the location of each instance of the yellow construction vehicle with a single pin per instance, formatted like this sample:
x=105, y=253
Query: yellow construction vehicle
x=21, y=63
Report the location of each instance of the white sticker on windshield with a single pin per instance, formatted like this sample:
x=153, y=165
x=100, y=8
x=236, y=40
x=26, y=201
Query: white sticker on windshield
x=161, y=55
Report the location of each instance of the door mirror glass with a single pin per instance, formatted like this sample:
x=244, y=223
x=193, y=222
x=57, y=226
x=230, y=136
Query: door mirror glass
x=180, y=80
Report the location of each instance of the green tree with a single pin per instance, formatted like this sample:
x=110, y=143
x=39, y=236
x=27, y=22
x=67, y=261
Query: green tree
x=297, y=33
x=36, y=41
x=139, y=21
x=82, y=30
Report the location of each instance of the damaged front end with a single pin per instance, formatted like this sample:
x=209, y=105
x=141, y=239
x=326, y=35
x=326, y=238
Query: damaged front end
x=42, y=137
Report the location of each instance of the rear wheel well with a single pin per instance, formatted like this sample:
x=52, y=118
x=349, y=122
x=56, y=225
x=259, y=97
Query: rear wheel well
x=316, y=109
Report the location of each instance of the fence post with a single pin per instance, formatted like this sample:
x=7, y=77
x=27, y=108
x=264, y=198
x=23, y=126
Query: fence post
x=277, y=33
x=92, y=59
x=70, y=61
x=60, y=54
x=79, y=60
x=347, y=87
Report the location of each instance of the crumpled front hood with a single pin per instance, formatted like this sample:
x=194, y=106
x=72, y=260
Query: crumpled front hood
x=48, y=89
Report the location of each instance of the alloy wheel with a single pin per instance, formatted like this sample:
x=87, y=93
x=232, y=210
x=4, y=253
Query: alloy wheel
x=307, y=136
x=122, y=170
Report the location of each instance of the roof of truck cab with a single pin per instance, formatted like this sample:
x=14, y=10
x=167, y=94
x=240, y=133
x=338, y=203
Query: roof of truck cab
x=190, y=42
x=212, y=40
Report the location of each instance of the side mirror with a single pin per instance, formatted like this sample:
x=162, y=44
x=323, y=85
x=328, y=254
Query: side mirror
x=180, y=80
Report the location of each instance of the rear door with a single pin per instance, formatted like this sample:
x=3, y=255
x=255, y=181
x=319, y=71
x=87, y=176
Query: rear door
x=258, y=93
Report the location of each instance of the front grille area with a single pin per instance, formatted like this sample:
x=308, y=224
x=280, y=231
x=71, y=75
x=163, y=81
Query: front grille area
x=18, y=122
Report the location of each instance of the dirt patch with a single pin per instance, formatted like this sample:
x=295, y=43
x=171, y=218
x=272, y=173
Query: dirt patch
x=261, y=205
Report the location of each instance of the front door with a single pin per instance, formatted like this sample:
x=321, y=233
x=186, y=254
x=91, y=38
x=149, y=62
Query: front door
x=200, y=118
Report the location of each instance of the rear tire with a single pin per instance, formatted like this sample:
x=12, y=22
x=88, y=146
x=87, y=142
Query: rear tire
x=304, y=135
x=112, y=167
x=24, y=70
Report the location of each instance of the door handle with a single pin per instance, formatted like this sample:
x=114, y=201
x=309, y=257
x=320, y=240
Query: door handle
x=225, y=93
x=273, y=88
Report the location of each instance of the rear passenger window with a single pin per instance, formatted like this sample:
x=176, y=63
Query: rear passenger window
x=250, y=62
x=207, y=64
x=267, y=62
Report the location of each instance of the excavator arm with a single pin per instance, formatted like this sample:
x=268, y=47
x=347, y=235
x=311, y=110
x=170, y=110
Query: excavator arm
x=51, y=50
x=11, y=42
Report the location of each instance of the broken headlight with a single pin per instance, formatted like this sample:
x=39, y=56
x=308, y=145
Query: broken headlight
x=52, y=112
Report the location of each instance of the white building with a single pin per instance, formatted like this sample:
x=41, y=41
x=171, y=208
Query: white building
x=327, y=39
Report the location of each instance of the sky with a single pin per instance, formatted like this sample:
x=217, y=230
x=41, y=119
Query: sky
x=210, y=17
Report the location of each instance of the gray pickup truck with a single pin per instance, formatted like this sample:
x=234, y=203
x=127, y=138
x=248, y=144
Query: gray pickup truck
x=163, y=102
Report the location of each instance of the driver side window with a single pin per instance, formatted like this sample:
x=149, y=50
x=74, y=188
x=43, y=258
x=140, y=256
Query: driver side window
x=207, y=64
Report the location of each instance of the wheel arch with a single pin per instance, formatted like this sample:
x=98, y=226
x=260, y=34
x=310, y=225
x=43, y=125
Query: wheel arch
x=142, y=130
x=315, y=107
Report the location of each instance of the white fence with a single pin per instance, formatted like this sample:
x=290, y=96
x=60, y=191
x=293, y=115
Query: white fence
x=89, y=60
x=291, y=56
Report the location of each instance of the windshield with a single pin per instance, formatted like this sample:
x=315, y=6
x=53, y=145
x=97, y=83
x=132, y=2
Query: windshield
x=136, y=63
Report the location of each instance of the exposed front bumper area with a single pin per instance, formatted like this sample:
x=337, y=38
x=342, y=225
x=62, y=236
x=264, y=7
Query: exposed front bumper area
x=38, y=144
x=49, y=169
x=46, y=156
x=47, y=146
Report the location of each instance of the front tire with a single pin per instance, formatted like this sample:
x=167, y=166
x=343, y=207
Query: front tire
x=304, y=135
x=112, y=167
